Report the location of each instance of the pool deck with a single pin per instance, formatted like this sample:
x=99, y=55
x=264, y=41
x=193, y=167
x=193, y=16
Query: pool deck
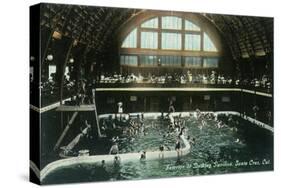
x=56, y=104
x=248, y=118
x=109, y=159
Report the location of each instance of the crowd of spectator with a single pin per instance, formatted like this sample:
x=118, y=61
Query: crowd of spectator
x=50, y=88
x=187, y=78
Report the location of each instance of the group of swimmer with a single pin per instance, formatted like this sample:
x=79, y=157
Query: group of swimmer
x=176, y=128
x=136, y=127
x=202, y=119
x=219, y=124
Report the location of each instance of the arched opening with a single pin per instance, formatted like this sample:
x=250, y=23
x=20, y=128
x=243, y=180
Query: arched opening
x=161, y=41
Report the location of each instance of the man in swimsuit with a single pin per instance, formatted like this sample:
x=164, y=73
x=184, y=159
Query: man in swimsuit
x=178, y=148
x=114, y=149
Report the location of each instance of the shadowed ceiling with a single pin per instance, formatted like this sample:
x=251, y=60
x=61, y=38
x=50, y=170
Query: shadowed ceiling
x=96, y=27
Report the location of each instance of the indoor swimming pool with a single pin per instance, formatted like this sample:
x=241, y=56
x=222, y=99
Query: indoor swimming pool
x=219, y=144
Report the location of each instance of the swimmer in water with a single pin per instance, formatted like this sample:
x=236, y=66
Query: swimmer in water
x=143, y=156
x=216, y=116
x=191, y=140
x=117, y=161
x=132, y=139
x=219, y=125
x=103, y=163
x=161, y=154
x=182, y=132
x=238, y=141
x=203, y=123
x=234, y=129
x=177, y=129
x=166, y=134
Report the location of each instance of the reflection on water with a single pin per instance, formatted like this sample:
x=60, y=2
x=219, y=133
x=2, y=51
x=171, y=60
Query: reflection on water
x=238, y=146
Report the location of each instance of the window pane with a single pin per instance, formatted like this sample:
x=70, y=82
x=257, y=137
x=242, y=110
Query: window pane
x=131, y=40
x=171, y=61
x=208, y=44
x=148, y=60
x=171, y=41
x=193, y=62
x=149, y=40
x=192, y=42
x=152, y=23
x=171, y=22
x=210, y=62
x=191, y=26
x=129, y=60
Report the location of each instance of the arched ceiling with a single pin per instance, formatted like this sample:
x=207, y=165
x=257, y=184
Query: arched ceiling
x=97, y=26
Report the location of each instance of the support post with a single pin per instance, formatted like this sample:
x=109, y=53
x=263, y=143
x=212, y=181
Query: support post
x=96, y=113
x=65, y=130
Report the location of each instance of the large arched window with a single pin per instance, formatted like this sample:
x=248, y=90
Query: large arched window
x=169, y=41
x=131, y=40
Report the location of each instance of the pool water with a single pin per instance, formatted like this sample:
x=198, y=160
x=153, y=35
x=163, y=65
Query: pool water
x=154, y=134
x=238, y=146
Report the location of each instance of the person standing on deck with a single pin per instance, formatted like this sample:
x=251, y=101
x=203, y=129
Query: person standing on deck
x=120, y=109
x=114, y=150
x=171, y=107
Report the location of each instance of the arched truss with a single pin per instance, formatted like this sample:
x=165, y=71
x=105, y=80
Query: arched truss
x=98, y=28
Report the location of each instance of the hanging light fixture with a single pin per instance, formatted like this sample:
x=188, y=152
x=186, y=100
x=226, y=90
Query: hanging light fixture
x=50, y=57
x=71, y=60
x=57, y=35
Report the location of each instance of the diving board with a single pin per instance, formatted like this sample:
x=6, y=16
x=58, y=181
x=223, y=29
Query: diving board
x=49, y=107
x=69, y=108
x=76, y=109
